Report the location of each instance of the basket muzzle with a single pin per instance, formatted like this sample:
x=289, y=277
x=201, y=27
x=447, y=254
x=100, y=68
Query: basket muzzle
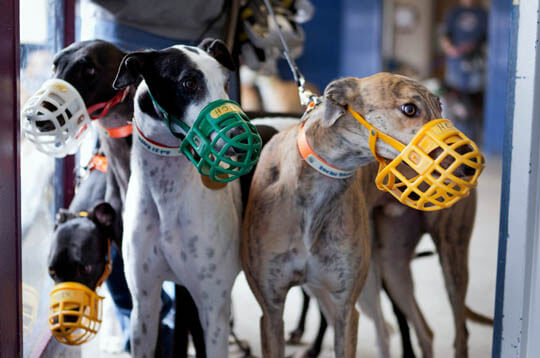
x=438, y=167
x=221, y=143
x=55, y=118
x=75, y=311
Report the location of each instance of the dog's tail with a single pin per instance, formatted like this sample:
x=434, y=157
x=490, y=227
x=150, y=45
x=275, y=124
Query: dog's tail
x=478, y=317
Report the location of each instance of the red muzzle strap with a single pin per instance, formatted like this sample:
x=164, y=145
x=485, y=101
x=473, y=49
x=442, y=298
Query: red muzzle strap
x=106, y=106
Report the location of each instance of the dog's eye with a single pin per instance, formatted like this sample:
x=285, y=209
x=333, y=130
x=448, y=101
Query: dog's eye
x=87, y=269
x=52, y=272
x=409, y=109
x=90, y=71
x=189, y=84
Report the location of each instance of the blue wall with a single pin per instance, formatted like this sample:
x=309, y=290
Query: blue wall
x=495, y=112
x=361, y=45
x=342, y=39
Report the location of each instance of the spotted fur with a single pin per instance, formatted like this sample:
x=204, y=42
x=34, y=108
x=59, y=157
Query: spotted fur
x=174, y=227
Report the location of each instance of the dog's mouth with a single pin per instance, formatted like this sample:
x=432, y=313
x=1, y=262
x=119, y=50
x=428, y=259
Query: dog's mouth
x=231, y=136
x=463, y=171
x=48, y=125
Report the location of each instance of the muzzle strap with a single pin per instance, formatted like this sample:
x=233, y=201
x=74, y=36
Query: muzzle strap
x=106, y=106
x=108, y=266
x=170, y=121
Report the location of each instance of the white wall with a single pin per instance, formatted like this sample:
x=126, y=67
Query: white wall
x=413, y=46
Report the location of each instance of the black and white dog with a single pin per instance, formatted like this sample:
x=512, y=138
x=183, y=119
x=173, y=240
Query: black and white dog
x=175, y=228
x=91, y=67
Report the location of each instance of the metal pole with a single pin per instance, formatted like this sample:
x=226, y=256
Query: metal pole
x=64, y=177
x=517, y=307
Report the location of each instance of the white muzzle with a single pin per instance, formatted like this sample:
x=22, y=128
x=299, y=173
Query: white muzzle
x=55, y=118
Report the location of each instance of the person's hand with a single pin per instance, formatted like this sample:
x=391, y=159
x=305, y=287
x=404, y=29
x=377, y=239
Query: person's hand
x=449, y=49
x=466, y=48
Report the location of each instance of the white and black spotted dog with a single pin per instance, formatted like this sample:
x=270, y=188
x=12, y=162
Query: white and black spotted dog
x=175, y=228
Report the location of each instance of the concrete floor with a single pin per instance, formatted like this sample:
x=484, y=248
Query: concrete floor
x=430, y=293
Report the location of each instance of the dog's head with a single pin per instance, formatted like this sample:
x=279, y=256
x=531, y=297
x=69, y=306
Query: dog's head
x=182, y=80
x=90, y=67
x=396, y=105
x=79, y=245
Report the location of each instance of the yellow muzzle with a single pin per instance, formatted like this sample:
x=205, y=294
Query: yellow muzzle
x=75, y=312
x=417, y=179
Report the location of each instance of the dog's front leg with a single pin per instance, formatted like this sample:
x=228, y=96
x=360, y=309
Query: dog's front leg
x=143, y=264
x=396, y=270
x=370, y=302
x=210, y=288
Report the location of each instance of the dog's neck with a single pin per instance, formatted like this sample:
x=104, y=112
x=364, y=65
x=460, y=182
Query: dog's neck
x=318, y=194
x=117, y=150
x=332, y=144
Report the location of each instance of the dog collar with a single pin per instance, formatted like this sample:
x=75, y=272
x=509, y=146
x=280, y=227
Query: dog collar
x=155, y=147
x=106, y=106
x=317, y=162
x=118, y=132
x=98, y=162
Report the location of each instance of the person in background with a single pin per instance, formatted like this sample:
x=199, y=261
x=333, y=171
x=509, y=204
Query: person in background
x=463, y=41
x=141, y=24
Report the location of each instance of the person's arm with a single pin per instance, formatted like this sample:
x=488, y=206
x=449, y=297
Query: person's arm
x=445, y=41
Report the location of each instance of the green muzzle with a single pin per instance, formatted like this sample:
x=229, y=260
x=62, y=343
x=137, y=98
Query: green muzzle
x=222, y=143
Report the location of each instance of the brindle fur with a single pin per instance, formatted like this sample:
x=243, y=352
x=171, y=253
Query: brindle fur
x=304, y=228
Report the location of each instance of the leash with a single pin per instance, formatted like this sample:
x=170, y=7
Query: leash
x=306, y=96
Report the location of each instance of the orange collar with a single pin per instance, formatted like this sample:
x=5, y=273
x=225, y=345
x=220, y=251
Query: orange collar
x=119, y=132
x=316, y=162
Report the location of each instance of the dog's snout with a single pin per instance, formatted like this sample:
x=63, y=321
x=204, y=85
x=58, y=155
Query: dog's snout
x=232, y=135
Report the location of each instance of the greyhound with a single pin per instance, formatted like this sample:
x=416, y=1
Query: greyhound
x=175, y=228
x=302, y=227
x=394, y=248
x=79, y=243
x=91, y=66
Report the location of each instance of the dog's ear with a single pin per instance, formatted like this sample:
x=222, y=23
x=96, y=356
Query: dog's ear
x=103, y=214
x=218, y=50
x=337, y=95
x=131, y=69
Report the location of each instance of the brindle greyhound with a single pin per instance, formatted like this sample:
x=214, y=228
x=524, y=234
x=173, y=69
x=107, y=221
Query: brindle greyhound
x=393, y=249
x=302, y=227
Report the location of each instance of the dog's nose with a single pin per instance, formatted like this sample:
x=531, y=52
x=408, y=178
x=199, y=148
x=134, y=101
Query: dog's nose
x=232, y=134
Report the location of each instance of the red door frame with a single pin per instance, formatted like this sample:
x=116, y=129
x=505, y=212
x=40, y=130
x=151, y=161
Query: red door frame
x=10, y=198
